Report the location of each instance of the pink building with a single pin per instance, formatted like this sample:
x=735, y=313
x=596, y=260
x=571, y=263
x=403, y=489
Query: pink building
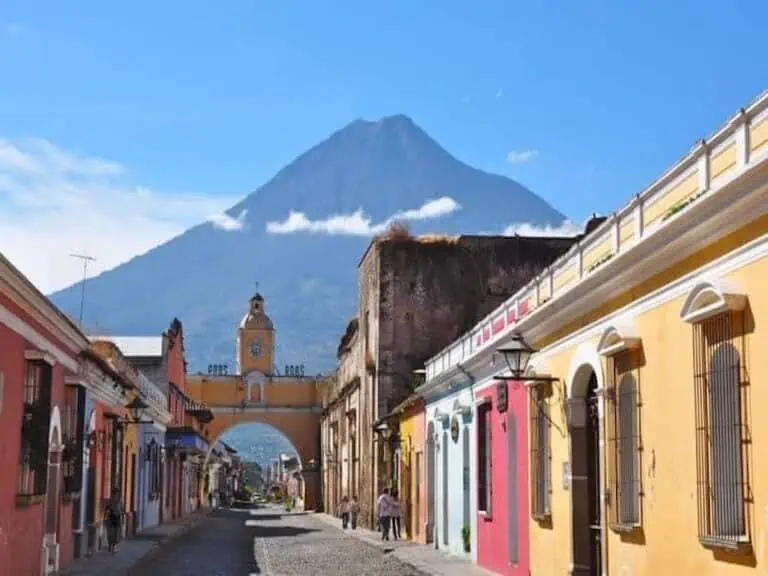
x=502, y=478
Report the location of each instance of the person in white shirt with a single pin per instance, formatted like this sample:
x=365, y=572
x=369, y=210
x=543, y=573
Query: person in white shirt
x=383, y=510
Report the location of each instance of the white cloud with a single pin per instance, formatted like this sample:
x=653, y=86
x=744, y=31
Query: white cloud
x=54, y=203
x=357, y=224
x=522, y=156
x=567, y=228
x=229, y=223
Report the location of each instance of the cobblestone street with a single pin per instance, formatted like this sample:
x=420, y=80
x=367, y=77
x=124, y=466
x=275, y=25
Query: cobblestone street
x=271, y=542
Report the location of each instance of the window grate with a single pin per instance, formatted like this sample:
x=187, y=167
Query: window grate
x=541, y=454
x=33, y=462
x=484, y=457
x=72, y=436
x=624, y=441
x=721, y=432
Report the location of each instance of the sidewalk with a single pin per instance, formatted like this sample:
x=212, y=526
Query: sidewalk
x=133, y=551
x=425, y=558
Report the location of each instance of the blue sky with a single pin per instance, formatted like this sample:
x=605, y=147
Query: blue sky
x=193, y=104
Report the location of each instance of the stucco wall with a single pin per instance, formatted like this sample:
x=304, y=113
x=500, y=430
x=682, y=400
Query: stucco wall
x=450, y=477
x=433, y=292
x=667, y=541
x=21, y=527
x=413, y=470
x=493, y=546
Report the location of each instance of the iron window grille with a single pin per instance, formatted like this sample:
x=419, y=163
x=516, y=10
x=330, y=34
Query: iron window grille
x=72, y=436
x=33, y=461
x=485, y=462
x=541, y=454
x=722, y=433
x=624, y=454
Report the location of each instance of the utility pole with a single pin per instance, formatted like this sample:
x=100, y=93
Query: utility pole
x=86, y=260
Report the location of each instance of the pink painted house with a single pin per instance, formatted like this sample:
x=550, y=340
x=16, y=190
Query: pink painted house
x=502, y=478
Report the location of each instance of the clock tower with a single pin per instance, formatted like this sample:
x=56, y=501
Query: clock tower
x=256, y=339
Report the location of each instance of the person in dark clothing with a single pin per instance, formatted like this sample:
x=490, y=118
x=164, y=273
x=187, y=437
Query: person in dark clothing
x=395, y=511
x=114, y=518
x=354, y=510
x=344, y=509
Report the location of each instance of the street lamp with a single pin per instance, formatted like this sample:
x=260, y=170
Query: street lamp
x=136, y=408
x=517, y=354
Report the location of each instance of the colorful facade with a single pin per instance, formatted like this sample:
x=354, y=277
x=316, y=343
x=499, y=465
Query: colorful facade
x=451, y=463
x=259, y=392
x=412, y=467
x=40, y=454
x=643, y=395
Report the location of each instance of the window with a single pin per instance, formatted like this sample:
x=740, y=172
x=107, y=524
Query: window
x=419, y=458
x=483, y=457
x=624, y=446
x=721, y=431
x=33, y=461
x=541, y=454
x=72, y=437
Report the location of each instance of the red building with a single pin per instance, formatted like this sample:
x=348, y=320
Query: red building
x=39, y=348
x=502, y=532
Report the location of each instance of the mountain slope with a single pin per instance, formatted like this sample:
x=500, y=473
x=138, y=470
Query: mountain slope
x=206, y=275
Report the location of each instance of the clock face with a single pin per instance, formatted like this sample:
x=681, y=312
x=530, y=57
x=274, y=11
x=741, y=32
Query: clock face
x=255, y=348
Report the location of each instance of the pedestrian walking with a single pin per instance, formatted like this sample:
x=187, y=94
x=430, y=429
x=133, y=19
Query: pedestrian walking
x=354, y=510
x=383, y=510
x=344, y=510
x=113, y=516
x=395, y=511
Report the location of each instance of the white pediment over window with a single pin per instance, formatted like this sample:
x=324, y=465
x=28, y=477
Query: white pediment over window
x=618, y=337
x=710, y=298
x=463, y=409
x=440, y=415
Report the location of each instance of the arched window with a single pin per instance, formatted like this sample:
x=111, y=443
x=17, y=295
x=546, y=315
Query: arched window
x=716, y=311
x=720, y=431
x=621, y=345
x=627, y=452
x=541, y=453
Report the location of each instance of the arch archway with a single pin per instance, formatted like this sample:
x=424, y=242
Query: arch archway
x=585, y=385
x=301, y=430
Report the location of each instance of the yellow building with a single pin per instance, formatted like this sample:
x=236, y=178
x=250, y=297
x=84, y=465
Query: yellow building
x=644, y=449
x=259, y=393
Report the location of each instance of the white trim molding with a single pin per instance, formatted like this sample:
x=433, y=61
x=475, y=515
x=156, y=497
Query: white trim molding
x=34, y=337
x=710, y=298
x=40, y=355
x=440, y=416
x=26, y=295
x=482, y=400
x=617, y=338
x=586, y=355
x=54, y=429
x=462, y=409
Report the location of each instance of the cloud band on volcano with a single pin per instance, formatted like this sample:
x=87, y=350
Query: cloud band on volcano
x=357, y=223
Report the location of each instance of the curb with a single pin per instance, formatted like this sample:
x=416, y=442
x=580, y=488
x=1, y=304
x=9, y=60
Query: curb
x=135, y=568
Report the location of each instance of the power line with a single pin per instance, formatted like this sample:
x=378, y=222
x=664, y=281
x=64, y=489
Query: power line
x=86, y=260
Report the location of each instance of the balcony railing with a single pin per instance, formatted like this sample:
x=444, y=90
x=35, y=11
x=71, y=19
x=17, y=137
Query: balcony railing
x=709, y=165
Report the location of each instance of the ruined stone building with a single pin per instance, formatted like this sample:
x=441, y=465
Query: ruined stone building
x=415, y=296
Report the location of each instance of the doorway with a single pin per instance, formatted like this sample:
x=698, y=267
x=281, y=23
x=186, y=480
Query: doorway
x=444, y=519
x=586, y=474
x=512, y=552
x=431, y=480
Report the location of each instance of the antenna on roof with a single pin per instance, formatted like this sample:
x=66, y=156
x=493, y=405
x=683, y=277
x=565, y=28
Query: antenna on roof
x=86, y=260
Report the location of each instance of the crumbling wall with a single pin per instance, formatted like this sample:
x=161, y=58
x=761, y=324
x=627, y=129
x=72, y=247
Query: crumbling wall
x=365, y=348
x=430, y=293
